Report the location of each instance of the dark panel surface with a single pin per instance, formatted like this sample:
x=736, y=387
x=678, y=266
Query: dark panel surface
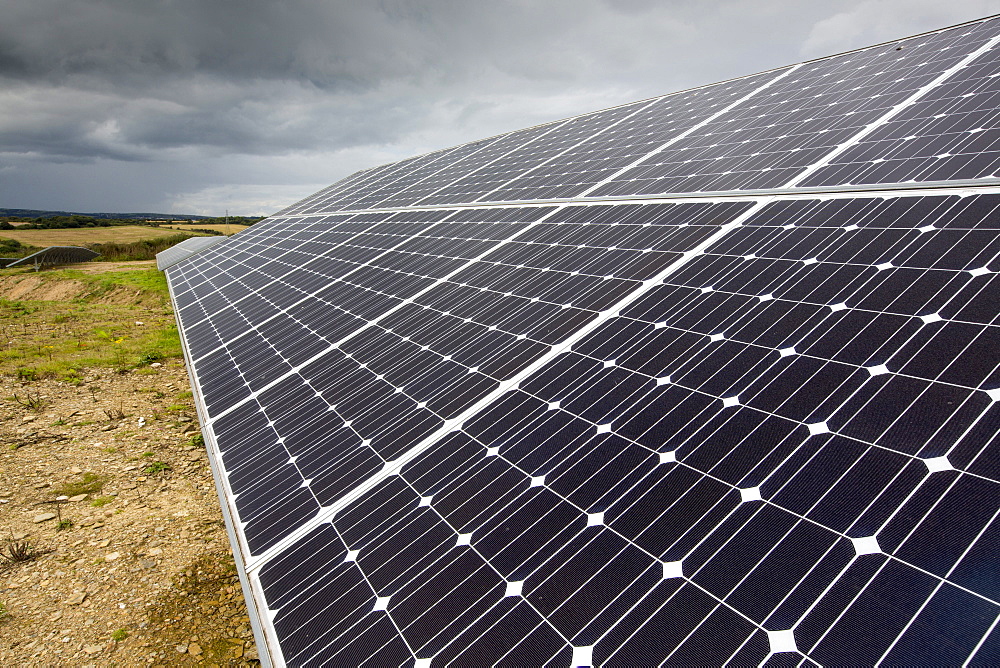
x=755, y=462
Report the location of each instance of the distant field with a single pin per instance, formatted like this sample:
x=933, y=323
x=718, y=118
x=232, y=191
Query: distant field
x=88, y=235
x=225, y=229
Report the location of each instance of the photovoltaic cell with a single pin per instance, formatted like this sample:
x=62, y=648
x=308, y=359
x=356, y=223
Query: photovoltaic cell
x=743, y=429
x=950, y=133
x=762, y=453
x=421, y=336
x=184, y=250
x=773, y=137
x=576, y=170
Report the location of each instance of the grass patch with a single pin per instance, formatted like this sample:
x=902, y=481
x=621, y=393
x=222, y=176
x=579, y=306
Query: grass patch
x=119, y=635
x=56, y=339
x=157, y=467
x=102, y=501
x=143, y=249
x=89, y=483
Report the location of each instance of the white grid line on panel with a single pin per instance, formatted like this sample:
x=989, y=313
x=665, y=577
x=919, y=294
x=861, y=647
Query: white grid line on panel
x=961, y=186
x=987, y=525
x=485, y=145
x=555, y=125
x=570, y=148
x=975, y=650
x=238, y=258
x=332, y=246
x=449, y=426
x=800, y=517
x=280, y=311
x=375, y=321
x=656, y=561
x=689, y=131
x=519, y=147
x=895, y=111
x=328, y=253
x=401, y=169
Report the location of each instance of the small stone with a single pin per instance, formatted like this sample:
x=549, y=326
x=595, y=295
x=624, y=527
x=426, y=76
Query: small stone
x=76, y=470
x=194, y=648
x=78, y=497
x=92, y=649
x=19, y=536
x=56, y=616
x=43, y=517
x=77, y=598
x=181, y=648
x=111, y=556
x=156, y=365
x=147, y=563
x=154, y=551
x=41, y=485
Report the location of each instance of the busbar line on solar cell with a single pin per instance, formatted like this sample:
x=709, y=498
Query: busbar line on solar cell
x=894, y=112
x=591, y=161
x=938, y=137
x=291, y=251
x=861, y=190
x=456, y=173
x=456, y=158
x=350, y=196
x=926, y=471
x=771, y=138
x=655, y=559
x=464, y=186
x=359, y=184
x=392, y=467
x=373, y=322
x=689, y=131
x=524, y=160
x=477, y=155
x=430, y=229
x=309, y=203
x=295, y=268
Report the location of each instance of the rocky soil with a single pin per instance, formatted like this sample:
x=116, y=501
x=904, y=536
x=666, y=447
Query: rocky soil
x=107, y=482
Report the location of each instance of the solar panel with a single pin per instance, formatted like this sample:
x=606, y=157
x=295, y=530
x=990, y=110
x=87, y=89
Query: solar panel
x=55, y=255
x=692, y=381
x=184, y=250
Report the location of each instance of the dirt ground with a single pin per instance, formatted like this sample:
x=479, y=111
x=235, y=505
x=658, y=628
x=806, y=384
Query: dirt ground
x=105, y=480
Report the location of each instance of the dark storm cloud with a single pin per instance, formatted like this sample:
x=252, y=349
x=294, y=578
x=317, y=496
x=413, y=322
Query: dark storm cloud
x=319, y=88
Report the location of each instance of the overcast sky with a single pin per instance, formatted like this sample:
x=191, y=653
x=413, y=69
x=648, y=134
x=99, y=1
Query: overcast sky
x=196, y=106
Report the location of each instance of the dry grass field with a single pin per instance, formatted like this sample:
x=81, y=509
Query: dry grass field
x=225, y=229
x=86, y=235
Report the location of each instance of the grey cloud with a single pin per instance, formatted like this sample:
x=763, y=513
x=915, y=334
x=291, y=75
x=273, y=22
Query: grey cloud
x=330, y=86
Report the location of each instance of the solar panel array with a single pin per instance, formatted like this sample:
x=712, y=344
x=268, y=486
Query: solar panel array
x=710, y=379
x=55, y=255
x=184, y=250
